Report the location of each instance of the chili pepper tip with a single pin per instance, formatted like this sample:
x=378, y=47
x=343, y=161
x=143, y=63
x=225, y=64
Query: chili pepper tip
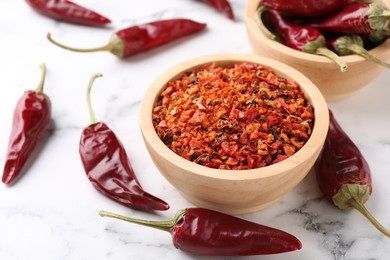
x=68, y=11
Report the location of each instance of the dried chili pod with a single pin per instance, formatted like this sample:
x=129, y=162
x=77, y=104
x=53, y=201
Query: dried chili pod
x=108, y=168
x=223, y=6
x=140, y=38
x=206, y=232
x=68, y=11
x=307, y=7
x=360, y=18
x=301, y=37
x=31, y=117
x=353, y=44
x=343, y=174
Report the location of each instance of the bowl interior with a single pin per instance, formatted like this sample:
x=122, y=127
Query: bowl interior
x=312, y=94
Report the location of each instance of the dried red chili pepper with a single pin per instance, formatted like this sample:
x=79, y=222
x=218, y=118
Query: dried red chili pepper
x=307, y=7
x=343, y=174
x=108, y=168
x=31, y=117
x=353, y=44
x=223, y=6
x=359, y=18
x=302, y=37
x=68, y=11
x=139, y=38
x=206, y=232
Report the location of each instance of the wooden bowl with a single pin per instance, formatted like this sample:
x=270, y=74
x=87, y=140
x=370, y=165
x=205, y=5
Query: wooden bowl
x=324, y=73
x=234, y=191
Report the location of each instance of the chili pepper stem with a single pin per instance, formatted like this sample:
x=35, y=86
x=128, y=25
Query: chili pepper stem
x=330, y=54
x=365, y=54
x=354, y=44
x=107, y=47
x=160, y=225
x=90, y=110
x=260, y=24
x=362, y=209
x=379, y=17
x=43, y=76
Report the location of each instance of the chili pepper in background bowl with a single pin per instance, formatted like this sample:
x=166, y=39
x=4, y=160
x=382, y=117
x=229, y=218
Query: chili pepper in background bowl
x=206, y=232
x=343, y=174
x=108, y=168
x=302, y=37
x=320, y=70
x=223, y=6
x=306, y=8
x=31, y=117
x=353, y=44
x=68, y=11
x=140, y=38
x=359, y=18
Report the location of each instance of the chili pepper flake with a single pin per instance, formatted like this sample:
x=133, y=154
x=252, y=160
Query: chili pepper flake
x=237, y=117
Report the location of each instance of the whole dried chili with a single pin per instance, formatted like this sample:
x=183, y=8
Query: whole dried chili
x=307, y=7
x=359, y=18
x=343, y=174
x=206, y=232
x=31, y=117
x=353, y=44
x=68, y=11
x=237, y=117
x=140, y=38
x=223, y=6
x=302, y=37
x=108, y=168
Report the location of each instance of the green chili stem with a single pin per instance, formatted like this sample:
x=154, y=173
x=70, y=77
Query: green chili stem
x=378, y=17
x=43, y=76
x=90, y=110
x=107, y=47
x=260, y=24
x=359, y=50
x=160, y=225
x=330, y=54
x=362, y=209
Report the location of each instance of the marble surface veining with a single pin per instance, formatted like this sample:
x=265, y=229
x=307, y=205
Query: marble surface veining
x=51, y=213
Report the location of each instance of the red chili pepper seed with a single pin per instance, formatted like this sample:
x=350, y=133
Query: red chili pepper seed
x=237, y=117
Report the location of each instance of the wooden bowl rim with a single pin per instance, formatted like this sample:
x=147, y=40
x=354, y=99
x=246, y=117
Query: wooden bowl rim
x=250, y=10
x=312, y=93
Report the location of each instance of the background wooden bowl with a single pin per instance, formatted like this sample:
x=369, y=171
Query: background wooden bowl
x=234, y=192
x=324, y=73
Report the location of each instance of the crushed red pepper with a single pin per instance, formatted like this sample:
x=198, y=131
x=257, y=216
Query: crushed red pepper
x=236, y=117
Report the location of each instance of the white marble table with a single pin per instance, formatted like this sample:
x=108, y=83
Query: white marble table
x=52, y=211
